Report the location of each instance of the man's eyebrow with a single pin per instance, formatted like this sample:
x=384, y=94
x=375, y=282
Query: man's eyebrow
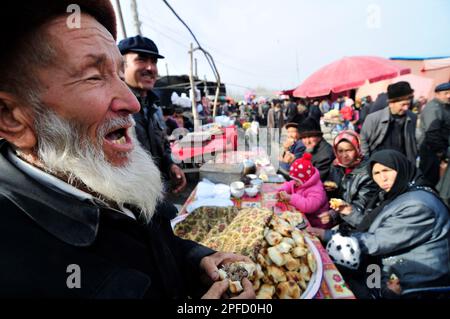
x=91, y=61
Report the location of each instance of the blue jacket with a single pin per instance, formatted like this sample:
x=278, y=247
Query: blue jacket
x=412, y=237
x=297, y=149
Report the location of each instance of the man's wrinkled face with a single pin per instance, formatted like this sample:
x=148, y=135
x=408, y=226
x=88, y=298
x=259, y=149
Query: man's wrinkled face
x=400, y=107
x=311, y=141
x=443, y=96
x=141, y=71
x=87, y=87
x=84, y=123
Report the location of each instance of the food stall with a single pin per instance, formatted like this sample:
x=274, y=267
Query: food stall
x=194, y=147
x=256, y=224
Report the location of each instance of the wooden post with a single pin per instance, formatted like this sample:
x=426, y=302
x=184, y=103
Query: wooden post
x=216, y=98
x=195, y=68
x=137, y=22
x=191, y=78
x=122, y=23
x=167, y=73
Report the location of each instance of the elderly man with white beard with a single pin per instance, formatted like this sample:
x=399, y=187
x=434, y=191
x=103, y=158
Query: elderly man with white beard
x=82, y=214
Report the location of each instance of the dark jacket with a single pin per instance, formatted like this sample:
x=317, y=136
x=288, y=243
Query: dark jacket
x=314, y=112
x=44, y=231
x=322, y=157
x=355, y=188
x=380, y=103
x=435, y=125
x=412, y=237
x=291, y=112
x=150, y=131
x=375, y=129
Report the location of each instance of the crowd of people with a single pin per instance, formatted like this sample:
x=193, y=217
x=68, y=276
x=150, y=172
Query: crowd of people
x=389, y=211
x=85, y=164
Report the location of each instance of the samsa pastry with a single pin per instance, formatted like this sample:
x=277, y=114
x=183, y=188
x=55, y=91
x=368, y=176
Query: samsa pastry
x=273, y=238
x=276, y=274
x=298, y=238
x=266, y=291
x=294, y=276
x=237, y=271
x=335, y=203
x=288, y=290
x=330, y=184
x=291, y=263
x=311, y=262
x=299, y=251
x=275, y=256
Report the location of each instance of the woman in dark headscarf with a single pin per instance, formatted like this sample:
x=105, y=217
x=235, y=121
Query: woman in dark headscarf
x=407, y=227
x=348, y=180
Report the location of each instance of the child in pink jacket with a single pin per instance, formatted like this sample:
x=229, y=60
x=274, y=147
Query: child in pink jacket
x=305, y=191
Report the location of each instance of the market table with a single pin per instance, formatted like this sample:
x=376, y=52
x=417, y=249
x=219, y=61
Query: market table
x=333, y=285
x=226, y=141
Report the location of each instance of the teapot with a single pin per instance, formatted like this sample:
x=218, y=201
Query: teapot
x=249, y=167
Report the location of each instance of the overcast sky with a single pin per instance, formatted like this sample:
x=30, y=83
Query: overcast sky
x=277, y=44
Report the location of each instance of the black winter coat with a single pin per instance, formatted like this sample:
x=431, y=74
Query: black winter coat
x=43, y=232
x=322, y=157
x=355, y=188
x=151, y=132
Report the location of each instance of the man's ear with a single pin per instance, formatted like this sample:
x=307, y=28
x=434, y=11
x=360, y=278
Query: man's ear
x=16, y=122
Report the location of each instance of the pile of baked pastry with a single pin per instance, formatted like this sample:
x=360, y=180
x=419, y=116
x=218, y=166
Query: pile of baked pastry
x=283, y=265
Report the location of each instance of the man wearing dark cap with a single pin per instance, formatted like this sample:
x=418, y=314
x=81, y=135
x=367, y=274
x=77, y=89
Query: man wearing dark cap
x=141, y=57
x=80, y=199
x=322, y=152
x=293, y=148
x=392, y=127
x=435, y=126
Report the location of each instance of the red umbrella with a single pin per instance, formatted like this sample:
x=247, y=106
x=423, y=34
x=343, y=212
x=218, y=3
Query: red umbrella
x=349, y=73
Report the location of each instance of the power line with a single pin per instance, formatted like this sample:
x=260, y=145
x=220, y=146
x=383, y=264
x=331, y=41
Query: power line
x=218, y=61
x=165, y=35
x=214, y=49
x=207, y=55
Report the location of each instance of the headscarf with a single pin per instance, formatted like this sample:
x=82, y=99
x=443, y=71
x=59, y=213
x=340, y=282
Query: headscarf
x=353, y=138
x=408, y=178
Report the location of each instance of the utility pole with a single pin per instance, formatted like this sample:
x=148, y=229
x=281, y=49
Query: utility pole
x=167, y=73
x=122, y=23
x=205, y=86
x=191, y=78
x=137, y=22
x=195, y=68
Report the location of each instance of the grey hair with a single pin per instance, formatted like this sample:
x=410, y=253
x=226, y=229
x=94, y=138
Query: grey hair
x=20, y=71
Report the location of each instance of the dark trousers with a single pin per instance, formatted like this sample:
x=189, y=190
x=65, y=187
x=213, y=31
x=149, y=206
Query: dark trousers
x=429, y=164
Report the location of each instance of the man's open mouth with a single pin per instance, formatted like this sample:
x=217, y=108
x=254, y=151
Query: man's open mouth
x=118, y=136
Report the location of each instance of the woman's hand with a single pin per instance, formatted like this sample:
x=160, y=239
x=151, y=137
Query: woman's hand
x=325, y=217
x=345, y=209
x=319, y=232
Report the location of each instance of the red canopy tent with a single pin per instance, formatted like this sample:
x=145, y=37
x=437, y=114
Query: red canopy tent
x=349, y=73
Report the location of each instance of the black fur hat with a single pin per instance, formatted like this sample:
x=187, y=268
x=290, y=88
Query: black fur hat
x=399, y=91
x=20, y=17
x=309, y=127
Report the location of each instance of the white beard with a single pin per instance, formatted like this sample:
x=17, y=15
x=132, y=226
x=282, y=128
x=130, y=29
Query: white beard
x=63, y=149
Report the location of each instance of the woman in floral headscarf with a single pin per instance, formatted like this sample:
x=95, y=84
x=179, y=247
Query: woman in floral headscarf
x=352, y=183
x=405, y=230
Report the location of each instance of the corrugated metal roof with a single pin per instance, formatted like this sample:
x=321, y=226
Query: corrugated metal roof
x=418, y=58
